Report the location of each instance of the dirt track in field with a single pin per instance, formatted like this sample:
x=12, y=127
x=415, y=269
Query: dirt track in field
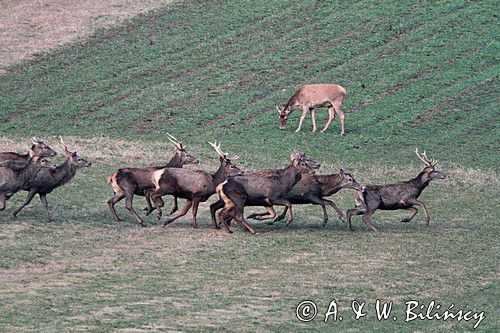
x=31, y=26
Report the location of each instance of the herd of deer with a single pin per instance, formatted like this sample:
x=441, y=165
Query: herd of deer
x=296, y=184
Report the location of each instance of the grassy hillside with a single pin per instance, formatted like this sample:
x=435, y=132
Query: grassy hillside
x=418, y=74
x=415, y=73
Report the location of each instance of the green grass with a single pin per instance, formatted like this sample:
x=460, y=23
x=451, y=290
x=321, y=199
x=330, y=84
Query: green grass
x=418, y=74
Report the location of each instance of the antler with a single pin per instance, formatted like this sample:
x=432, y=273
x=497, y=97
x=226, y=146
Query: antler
x=219, y=151
x=64, y=145
x=424, y=158
x=177, y=143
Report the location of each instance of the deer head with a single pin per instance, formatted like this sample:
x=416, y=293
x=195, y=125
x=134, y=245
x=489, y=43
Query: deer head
x=347, y=180
x=303, y=162
x=74, y=157
x=429, y=169
x=226, y=161
x=44, y=163
x=185, y=157
x=284, y=112
x=39, y=148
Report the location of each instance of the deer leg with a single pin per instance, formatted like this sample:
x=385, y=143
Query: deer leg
x=366, y=219
x=318, y=201
x=196, y=202
x=254, y=215
x=128, y=205
x=175, y=207
x=424, y=209
x=43, y=198
x=149, y=209
x=352, y=212
x=30, y=196
x=3, y=199
x=213, y=209
x=304, y=113
x=238, y=216
x=331, y=203
x=112, y=202
x=281, y=216
x=414, y=211
x=222, y=218
x=183, y=212
x=311, y=111
x=341, y=115
x=331, y=116
x=286, y=203
x=271, y=213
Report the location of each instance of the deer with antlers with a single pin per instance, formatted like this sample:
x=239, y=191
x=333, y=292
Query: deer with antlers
x=263, y=188
x=47, y=180
x=194, y=186
x=38, y=149
x=401, y=195
x=311, y=97
x=127, y=182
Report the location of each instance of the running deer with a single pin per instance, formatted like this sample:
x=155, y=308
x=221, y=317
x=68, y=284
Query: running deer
x=39, y=148
x=312, y=189
x=261, y=189
x=16, y=175
x=194, y=186
x=128, y=182
x=401, y=195
x=311, y=97
x=48, y=180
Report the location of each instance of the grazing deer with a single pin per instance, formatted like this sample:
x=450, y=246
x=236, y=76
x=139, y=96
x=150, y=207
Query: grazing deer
x=262, y=189
x=48, y=180
x=194, y=186
x=16, y=175
x=128, y=182
x=39, y=148
x=312, y=189
x=401, y=195
x=311, y=97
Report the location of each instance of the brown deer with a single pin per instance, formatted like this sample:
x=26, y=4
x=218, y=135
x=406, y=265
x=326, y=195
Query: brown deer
x=401, y=195
x=39, y=148
x=312, y=189
x=127, y=182
x=262, y=189
x=16, y=175
x=194, y=186
x=311, y=97
x=48, y=180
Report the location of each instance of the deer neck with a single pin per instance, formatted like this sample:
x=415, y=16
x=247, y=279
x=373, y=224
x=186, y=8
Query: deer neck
x=64, y=172
x=175, y=162
x=421, y=181
x=220, y=175
x=291, y=175
x=329, y=184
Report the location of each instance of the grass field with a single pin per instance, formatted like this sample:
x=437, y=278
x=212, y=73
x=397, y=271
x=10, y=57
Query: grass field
x=418, y=74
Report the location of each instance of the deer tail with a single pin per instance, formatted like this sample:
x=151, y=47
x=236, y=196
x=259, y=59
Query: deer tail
x=114, y=184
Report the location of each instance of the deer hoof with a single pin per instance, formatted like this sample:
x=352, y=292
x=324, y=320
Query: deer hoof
x=12, y=215
x=252, y=216
x=324, y=223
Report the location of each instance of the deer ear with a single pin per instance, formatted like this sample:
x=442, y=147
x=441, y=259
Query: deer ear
x=35, y=140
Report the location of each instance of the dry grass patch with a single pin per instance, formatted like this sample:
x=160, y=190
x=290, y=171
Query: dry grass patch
x=28, y=27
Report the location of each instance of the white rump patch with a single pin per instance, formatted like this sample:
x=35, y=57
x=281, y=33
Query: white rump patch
x=156, y=177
